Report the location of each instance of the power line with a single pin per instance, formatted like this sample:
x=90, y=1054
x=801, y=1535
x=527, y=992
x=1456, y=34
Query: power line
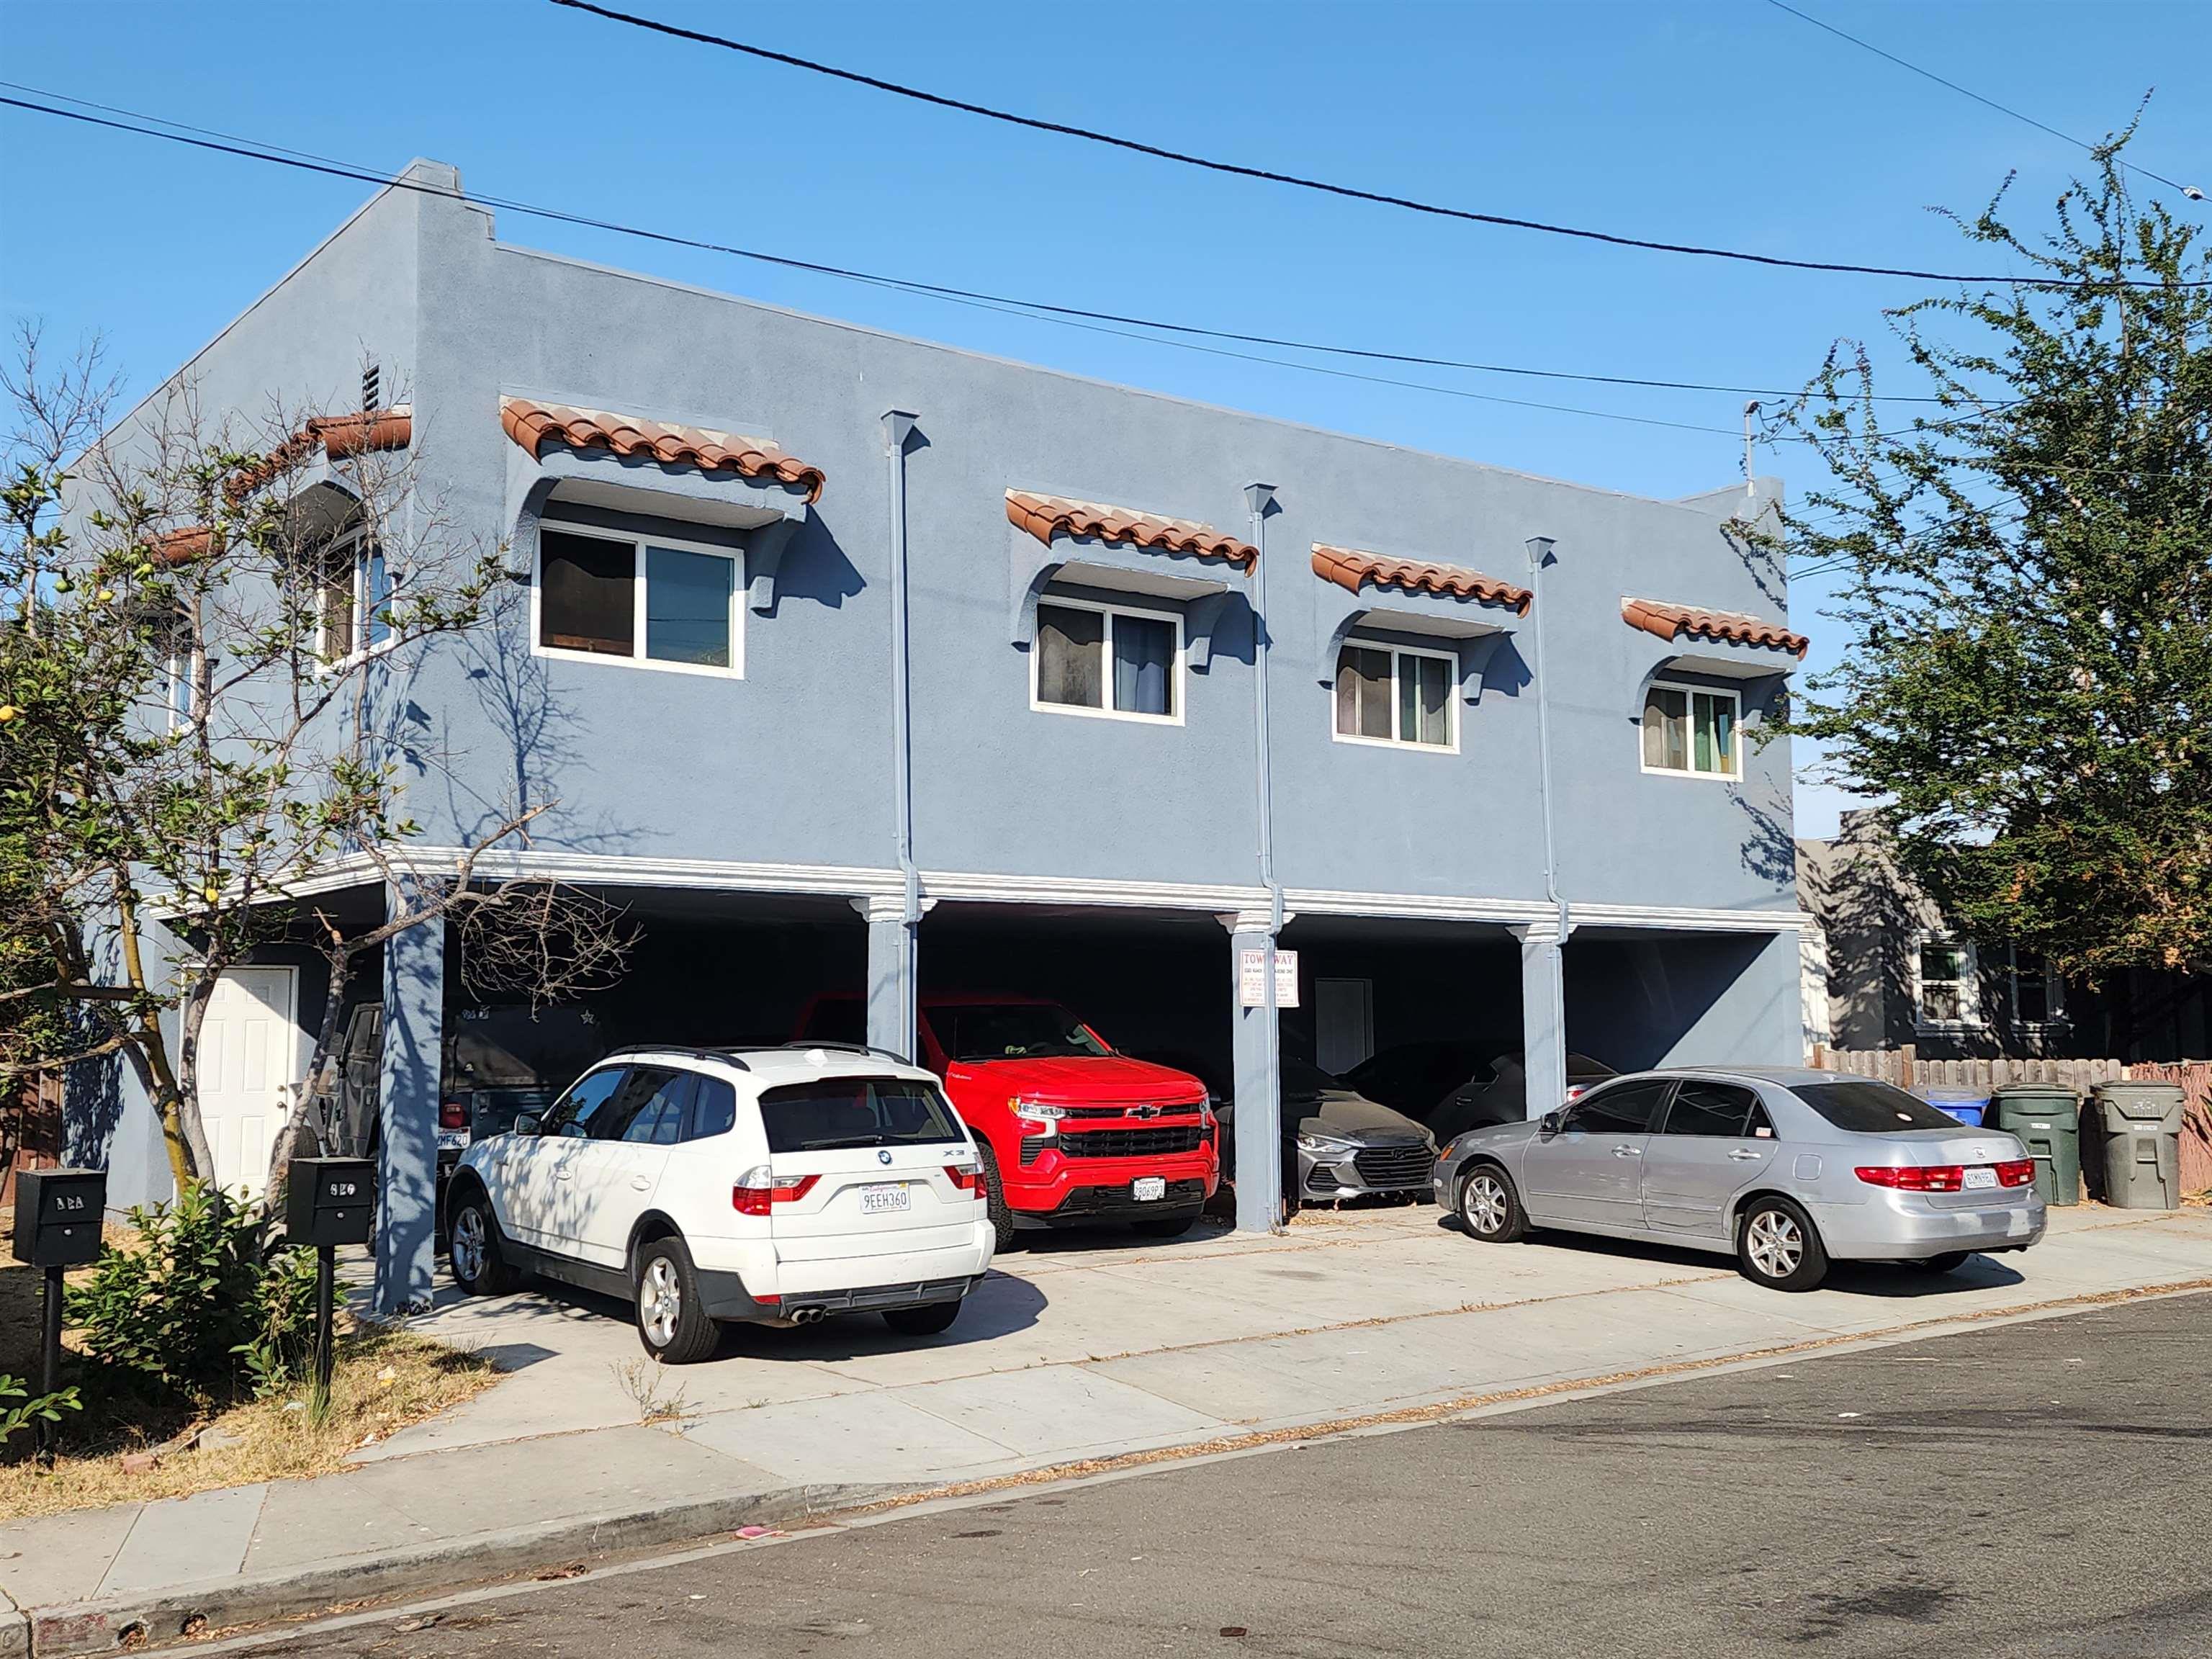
x=1270, y=176
x=1065, y=315
x=2190, y=191
x=1409, y=359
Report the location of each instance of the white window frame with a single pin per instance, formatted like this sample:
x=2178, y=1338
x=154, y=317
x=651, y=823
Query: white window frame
x=1106, y=711
x=1450, y=660
x=637, y=659
x=1970, y=985
x=1693, y=692
x=181, y=668
x=352, y=545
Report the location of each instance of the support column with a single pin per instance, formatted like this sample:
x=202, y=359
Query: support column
x=1258, y=1083
x=1543, y=1016
x=893, y=982
x=407, y=1107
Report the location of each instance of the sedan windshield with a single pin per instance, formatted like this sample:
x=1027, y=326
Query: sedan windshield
x=1867, y=1108
x=1013, y=1030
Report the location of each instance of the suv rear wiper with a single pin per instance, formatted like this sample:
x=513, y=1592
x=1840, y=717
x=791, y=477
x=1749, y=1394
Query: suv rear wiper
x=851, y=1145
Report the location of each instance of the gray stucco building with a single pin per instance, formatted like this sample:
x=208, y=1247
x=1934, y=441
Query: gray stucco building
x=856, y=660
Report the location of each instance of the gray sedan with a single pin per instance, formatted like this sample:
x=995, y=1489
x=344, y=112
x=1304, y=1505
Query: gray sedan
x=1785, y=1169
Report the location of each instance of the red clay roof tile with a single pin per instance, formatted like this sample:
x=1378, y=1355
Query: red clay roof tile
x=1047, y=516
x=1349, y=568
x=533, y=424
x=167, y=549
x=337, y=436
x=1670, y=621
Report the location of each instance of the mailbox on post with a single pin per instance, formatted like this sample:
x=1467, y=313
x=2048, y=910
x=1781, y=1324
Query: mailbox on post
x=330, y=1200
x=58, y=1215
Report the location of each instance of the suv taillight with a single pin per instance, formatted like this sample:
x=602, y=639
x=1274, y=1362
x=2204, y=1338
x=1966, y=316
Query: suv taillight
x=969, y=1180
x=1916, y=1177
x=757, y=1191
x=453, y=1116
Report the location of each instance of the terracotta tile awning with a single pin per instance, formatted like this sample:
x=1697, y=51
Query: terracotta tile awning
x=167, y=549
x=1669, y=621
x=533, y=425
x=1047, y=516
x=337, y=436
x=1350, y=570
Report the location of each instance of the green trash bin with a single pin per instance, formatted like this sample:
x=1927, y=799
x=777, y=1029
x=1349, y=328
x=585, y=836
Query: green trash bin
x=2141, y=1126
x=2047, y=1117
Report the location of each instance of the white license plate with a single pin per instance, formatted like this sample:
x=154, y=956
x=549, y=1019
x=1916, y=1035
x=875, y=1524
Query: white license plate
x=452, y=1140
x=876, y=1200
x=1978, y=1179
x=1146, y=1188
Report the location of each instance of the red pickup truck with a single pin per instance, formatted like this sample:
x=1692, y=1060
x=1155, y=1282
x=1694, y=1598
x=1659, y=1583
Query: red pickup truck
x=1071, y=1132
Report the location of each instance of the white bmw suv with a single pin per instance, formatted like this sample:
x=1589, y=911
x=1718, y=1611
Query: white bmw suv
x=706, y=1185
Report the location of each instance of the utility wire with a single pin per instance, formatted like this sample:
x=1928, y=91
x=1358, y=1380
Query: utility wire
x=2190, y=191
x=1065, y=315
x=1348, y=192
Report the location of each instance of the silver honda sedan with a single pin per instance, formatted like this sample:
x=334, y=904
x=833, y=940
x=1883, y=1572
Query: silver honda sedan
x=1785, y=1169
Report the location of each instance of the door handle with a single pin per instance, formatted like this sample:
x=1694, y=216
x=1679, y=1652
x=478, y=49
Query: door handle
x=1744, y=1154
x=1626, y=1151
x=641, y=1183
x=560, y=1172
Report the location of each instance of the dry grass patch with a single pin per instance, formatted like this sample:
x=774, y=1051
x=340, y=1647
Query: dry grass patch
x=383, y=1381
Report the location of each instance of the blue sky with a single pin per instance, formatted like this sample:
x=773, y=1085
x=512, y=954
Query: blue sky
x=1727, y=122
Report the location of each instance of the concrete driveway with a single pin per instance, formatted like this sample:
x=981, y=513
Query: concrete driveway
x=1081, y=1344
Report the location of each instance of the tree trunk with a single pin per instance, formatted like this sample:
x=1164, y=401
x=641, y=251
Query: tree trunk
x=301, y=1127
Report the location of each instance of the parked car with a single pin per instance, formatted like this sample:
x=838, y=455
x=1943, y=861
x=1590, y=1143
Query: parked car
x=1337, y=1144
x=1499, y=1094
x=497, y=1062
x=706, y=1186
x=1788, y=1170
x=1070, y=1131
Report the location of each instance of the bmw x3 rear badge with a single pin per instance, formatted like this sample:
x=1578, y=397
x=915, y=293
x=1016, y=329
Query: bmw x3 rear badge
x=883, y=1154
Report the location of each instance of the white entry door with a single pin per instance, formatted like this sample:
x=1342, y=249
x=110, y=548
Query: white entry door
x=247, y=1049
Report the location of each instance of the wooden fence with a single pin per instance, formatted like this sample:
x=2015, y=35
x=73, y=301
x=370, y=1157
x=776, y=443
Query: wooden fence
x=1907, y=1071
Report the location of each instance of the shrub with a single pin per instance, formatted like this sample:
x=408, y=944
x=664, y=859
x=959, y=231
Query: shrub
x=19, y=1408
x=199, y=1308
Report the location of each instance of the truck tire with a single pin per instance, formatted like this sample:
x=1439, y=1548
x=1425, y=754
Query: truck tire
x=994, y=1197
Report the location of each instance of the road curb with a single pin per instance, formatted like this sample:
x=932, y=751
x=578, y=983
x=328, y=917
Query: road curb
x=185, y=1612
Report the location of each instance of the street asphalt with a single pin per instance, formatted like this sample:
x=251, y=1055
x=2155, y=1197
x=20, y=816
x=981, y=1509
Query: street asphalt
x=2042, y=1488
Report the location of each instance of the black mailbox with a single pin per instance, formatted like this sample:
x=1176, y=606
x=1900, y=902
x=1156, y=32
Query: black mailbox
x=330, y=1199
x=58, y=1215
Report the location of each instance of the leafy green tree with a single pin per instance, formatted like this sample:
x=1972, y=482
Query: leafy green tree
x=2026, y=581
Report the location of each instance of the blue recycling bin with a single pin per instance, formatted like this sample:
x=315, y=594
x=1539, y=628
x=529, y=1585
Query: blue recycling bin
x=1969, y=1106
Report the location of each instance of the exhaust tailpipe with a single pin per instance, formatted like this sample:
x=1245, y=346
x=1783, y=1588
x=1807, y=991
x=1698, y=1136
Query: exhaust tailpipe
x=806, y=1315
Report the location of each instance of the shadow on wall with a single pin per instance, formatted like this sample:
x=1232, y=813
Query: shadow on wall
x=1763, y=563
x=1872, y=923
x=91, y=1111
x=1769, y=851
x=1634, y=1003
x=814, y=567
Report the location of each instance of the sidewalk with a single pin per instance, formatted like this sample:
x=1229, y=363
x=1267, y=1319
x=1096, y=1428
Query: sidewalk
x=1067, y=1355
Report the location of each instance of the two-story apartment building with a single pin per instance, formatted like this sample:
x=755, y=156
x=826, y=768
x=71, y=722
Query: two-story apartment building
x=858, y=661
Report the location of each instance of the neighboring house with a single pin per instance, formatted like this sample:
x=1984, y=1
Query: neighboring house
x=1897, y=974
x=859, y=663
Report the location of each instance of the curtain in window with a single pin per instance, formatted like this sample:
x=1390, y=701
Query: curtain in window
x=687, y=607
x=1424, y=700
x=1363, y=692
x=1666, y=736
x=587, y=593
x=376, y=590
x=1144, y=666
x=1069, y=646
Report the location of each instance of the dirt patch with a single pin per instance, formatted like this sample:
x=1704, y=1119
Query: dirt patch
x=383, y=1381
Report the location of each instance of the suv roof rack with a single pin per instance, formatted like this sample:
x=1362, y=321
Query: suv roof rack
x=695, y=1051
x=847, y=1048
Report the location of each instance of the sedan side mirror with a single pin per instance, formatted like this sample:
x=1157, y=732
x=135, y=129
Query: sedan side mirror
x=1548, y=1125
x=528, y=1123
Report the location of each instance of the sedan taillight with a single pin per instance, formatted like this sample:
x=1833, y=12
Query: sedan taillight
x=757, y=1192
x=2016, y=1172
x=1915, y=1178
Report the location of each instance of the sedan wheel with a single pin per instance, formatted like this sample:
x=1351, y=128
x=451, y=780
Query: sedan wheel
x=1489, y=1208
x=1778, y=1248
